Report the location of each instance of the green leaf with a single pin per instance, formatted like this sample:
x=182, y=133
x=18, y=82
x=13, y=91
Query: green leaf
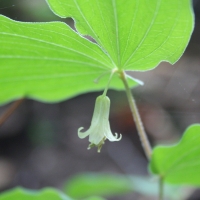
x=137, y=35
x=24, y=194
x=49, y=62
x=88, y=184
x=180, y=163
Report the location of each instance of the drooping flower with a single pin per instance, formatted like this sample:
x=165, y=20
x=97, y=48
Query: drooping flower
x=99, y=129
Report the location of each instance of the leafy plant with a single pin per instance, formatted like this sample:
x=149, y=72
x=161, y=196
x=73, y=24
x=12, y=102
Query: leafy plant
x=59, y=59
x=20, y=193
x=102, y=184
x=179, y=164
x=51, y=62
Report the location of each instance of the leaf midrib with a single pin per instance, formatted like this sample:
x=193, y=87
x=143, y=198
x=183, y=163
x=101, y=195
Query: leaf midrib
x=50, y=59
x=97, y=38
x=146, y=34
x=53, y=44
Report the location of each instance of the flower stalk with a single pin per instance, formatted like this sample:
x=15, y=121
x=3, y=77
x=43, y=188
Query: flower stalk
x=99, y=129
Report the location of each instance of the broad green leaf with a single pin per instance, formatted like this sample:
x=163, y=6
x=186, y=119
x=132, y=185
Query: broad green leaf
x=49, y=62
x=180, y=163
x=137, y=35
x=87, y=184
x=24, y=194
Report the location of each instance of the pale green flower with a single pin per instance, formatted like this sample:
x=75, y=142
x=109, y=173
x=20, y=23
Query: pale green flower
x=99, y=130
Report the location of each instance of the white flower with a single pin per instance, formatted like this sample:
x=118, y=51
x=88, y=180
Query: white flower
x=99, y=130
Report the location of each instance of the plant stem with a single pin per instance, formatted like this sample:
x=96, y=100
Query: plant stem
x=136, y=116
x=107, y=86
x=161, y=185
x=10, y=110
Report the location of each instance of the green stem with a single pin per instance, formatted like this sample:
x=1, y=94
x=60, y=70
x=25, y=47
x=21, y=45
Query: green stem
x=136, y=116
x=161, y=185
x=106, y=88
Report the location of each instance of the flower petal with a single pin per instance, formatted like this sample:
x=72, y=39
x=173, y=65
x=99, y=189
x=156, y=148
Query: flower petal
x=110, y=136
x=96, y=135
x=84, y=134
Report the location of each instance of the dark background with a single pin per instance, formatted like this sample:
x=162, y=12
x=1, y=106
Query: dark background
x=39, y=145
